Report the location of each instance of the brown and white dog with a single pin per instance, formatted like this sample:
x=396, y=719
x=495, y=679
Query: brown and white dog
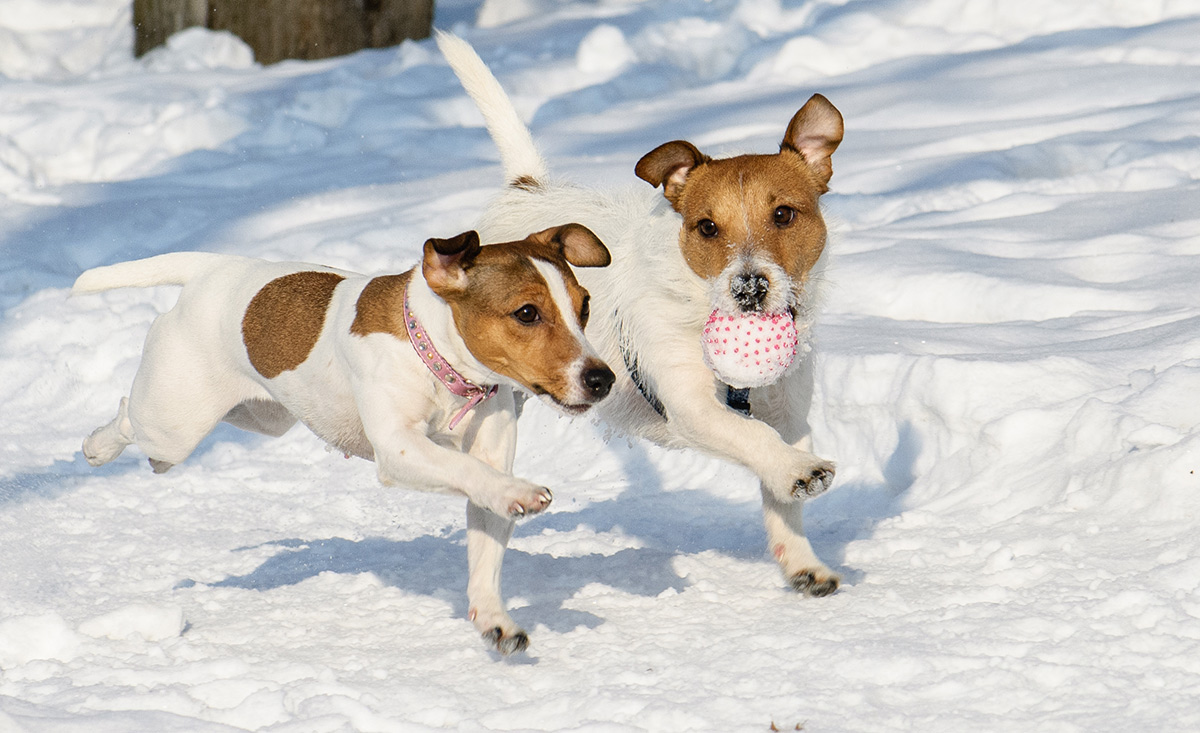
x=742, y=234
x=369, y=365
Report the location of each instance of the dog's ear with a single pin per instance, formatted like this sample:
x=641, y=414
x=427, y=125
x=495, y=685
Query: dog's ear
x=578, y=244
x=668, y=166
x=815, y=132
x=445, y=262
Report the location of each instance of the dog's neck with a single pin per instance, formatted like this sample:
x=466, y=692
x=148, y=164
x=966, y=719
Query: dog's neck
x=437, y=319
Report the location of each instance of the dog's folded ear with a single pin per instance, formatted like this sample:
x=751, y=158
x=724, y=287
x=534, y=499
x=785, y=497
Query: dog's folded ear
x=668, y=166
x=445, y=260
x=815, y=132
x=578, y=244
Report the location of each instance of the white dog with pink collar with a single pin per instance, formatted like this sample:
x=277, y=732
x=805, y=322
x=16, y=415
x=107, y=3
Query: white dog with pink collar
x=414, y=371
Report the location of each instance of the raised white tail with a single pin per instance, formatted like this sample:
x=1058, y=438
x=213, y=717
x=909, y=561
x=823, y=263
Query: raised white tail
x=520, y=156
x=175, y=268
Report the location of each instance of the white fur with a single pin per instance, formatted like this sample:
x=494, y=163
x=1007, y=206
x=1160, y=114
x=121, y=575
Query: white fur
x=652, y=306
x=365, y=395
x=720, y=290
x=558, y=292
x=517, y=149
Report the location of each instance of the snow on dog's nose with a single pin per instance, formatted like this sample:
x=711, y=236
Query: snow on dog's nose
x=749, y=290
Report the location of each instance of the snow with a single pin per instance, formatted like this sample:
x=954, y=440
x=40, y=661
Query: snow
x=1008, y=370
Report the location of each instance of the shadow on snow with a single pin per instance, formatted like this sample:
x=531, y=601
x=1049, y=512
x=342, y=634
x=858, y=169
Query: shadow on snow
x=665, y=523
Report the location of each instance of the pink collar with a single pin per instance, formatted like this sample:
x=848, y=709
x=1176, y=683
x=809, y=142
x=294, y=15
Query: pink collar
x=446, y=374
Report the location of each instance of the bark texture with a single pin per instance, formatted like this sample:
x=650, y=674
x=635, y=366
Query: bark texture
x=288, y=29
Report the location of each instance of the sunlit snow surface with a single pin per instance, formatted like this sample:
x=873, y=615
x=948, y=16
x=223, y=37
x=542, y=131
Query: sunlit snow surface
x=1008, y=378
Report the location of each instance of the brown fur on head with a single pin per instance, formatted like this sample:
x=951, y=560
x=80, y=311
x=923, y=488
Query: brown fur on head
x=519, y=320
x=752, y=208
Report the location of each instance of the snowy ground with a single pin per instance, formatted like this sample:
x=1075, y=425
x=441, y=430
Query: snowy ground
x=1009, y=380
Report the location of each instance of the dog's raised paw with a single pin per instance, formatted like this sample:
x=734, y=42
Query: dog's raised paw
x=808, y=583
x=815, y=484
x=506, y=645
x=534, y=504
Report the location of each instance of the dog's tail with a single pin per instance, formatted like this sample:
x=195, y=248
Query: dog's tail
x=523, y=164
x=175, y=268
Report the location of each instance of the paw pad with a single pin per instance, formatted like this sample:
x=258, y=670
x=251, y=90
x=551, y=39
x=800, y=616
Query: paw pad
x=807, y=583
x=506, y=645
x=817, y=483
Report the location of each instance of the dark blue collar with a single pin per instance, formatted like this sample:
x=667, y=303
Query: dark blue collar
x=736, y=399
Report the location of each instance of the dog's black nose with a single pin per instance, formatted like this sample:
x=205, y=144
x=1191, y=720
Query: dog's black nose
x=749, y=290
x=599, y=380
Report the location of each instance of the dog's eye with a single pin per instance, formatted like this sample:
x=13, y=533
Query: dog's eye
x=527, y=314
x=784, y=215
x=708, y=228
x=585, y=310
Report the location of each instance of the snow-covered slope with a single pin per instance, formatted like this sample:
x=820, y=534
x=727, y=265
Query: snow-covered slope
x=1009, y=380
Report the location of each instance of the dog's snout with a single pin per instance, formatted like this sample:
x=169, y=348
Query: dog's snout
x=598, y=380
x=749, y=290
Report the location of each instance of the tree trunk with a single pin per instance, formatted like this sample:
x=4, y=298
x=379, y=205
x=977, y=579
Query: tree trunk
x=288, y=29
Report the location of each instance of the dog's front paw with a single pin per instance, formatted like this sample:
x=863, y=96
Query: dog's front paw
x=814, y=483
x=506, y=643
x=530, y=502
x=815, y=583
x=498, y=629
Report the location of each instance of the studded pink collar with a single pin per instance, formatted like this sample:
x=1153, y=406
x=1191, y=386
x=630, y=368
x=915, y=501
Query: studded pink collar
x=437, y=364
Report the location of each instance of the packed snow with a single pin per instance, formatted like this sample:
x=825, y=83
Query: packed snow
x=1008, y=377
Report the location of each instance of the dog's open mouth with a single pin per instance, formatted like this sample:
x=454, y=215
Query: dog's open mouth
x=570, y=408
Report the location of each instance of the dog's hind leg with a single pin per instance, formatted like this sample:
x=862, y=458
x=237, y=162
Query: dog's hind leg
x=784, y=405
x=108, y=441
x=261, y=416
x=181, y=391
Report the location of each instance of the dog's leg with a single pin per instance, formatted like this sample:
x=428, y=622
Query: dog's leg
x=784, y=405
x=261, y=416
x=487, y=536
x=406, y=456
x=791, y=549
x=107, y=442
x=492, y=438
x=180, y=392
x=695, y=415
x=416, y=462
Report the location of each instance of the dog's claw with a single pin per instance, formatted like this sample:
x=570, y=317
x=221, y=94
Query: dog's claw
x=806, y=582
x=817, y=483
x=506, y=645
x=540, y=501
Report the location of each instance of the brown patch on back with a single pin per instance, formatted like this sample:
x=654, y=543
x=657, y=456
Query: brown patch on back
x=380, y=306
x=284, y=320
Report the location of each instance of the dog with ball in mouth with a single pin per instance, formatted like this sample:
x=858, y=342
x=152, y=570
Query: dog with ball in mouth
x=721, y=263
